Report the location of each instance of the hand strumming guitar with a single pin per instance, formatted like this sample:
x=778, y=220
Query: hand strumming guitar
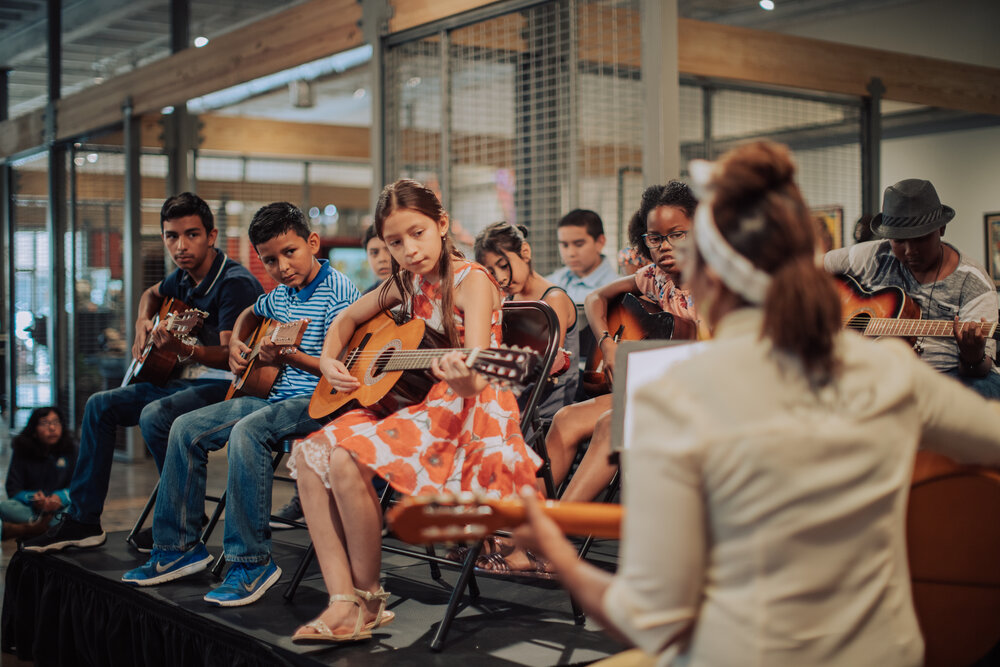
x=271, y=353
x=335, y=372
x=239, y=354
x=608, y=347
x=142, y=329
x=167, y=342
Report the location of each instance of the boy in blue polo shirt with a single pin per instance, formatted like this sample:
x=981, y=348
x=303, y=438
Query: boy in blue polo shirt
x=311, y=289
x=205, y=279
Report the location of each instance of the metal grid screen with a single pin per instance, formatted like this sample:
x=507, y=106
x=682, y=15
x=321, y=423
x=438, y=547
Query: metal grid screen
x=523, y=117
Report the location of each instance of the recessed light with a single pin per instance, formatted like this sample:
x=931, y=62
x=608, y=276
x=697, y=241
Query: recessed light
x=766, y=4
x=201, y=40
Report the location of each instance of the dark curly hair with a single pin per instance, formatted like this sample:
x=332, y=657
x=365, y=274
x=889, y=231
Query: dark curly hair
x=674, y=193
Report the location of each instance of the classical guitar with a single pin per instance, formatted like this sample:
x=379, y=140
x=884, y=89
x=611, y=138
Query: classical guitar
x=154, y=365
x=392, y=362
x=953, y=543
x=888, y=311
x=633, y=318
x=257, y=379
x=467, y=518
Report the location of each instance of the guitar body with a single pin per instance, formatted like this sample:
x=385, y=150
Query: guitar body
x=859, y=306
x=153, y=365
x=637, y=319
x=953, y=542
x=257, y=379
x=371, y=346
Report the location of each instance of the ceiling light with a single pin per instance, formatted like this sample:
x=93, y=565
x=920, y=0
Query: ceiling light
x=413, y=82
x=766, y=4
x=91, y=158
x=329, y=210
x=201, y=40
x=359, y=93
x=166, y=111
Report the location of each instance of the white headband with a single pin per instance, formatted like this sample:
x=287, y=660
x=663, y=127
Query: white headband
x=735, y=270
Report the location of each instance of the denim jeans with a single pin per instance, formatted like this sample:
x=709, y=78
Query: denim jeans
x=14, y=511
x=153, y=408
x=253, y=427
x=987, y=387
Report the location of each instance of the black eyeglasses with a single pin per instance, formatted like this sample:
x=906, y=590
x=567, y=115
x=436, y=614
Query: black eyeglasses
x=654, y=240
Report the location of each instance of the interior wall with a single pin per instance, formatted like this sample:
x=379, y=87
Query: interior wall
x=963, y=167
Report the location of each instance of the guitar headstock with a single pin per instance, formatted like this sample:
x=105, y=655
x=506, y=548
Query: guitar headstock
x=185, y=322
x=466, y=517
x=512, y=366
x=289, y=334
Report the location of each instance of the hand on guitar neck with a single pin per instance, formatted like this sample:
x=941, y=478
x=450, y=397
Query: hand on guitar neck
x=257, y=358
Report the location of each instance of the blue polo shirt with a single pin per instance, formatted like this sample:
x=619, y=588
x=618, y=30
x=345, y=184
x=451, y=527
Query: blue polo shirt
x=578, y=288
x=224, y=293
x=319, y=302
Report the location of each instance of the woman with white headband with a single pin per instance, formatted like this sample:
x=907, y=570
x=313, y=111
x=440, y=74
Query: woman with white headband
x=767, y=476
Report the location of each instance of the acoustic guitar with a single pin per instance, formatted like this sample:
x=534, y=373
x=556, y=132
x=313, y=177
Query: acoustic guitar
x=889, y=311
x=633, y=318
x=154, y=365
x=467, y=517
x=257, y=379
x=392, y=362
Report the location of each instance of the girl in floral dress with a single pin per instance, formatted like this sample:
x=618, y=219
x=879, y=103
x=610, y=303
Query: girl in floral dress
x=464, y=436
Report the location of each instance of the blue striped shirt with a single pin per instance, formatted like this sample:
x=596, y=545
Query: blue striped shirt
x=319, y=302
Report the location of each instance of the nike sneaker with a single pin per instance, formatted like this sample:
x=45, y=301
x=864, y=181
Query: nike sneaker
x=166, y=566
x=66, y=533
x=244, y=583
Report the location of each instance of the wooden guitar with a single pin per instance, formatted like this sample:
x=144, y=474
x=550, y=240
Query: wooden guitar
x=257, y=379
x=154, y=365
x=953, y=541
x=468, y=518
x=633, y=318
x=392, y=362
x=888, y=311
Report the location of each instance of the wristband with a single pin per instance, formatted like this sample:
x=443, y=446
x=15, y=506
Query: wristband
x=974, y=364
x=182, y=359
x=606, y=334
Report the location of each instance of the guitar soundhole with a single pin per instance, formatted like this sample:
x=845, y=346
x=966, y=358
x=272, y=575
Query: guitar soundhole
x=378, y=367
x=859, y=322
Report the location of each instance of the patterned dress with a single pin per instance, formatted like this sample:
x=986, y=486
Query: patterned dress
x=445, y=442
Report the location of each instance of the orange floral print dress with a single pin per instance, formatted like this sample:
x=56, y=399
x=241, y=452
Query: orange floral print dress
x=444, y=443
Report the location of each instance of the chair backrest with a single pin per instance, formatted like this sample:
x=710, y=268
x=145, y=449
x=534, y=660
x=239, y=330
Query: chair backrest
x=532, y=324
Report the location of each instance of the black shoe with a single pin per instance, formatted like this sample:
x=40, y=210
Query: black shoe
x=143, y=541
x=67, y=533
x=292, y=511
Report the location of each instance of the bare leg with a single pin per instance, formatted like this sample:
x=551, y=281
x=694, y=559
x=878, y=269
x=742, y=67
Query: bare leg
x=345, y=527
x=594, y=472
x=572, y=425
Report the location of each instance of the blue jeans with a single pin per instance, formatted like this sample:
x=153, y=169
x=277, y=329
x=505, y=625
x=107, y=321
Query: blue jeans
x=987, y=387
x=153, y=408
x=14, y=511
x=253, y=427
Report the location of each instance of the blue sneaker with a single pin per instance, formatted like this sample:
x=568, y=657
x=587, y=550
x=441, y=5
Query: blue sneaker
x=169, y=565
x=244, y=583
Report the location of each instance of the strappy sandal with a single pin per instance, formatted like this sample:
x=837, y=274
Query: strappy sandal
x=384, y=616
x=496, y=563
x=491, y=545
x=323, y=634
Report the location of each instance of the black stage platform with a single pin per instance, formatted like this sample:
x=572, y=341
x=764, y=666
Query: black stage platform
x=71, y=609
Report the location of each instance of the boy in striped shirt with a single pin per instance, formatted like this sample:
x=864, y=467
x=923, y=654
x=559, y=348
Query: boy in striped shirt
x=309, y=288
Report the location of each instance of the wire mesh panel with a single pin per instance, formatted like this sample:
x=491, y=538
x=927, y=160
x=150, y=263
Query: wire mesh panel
x=824, y=137
x=30, y=290
x=523, y=117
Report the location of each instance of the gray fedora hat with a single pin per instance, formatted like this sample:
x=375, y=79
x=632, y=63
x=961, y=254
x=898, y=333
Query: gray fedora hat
x=910, y=208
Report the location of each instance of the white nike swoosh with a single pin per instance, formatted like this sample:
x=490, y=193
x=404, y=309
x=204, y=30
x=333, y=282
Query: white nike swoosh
x=249, y=587
x=160, y=569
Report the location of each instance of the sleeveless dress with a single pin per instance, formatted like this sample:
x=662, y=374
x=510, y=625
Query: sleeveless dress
x=561, y=390
x=443, y=443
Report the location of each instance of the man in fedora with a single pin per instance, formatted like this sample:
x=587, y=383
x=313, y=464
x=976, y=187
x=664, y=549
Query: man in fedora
x=946, y=284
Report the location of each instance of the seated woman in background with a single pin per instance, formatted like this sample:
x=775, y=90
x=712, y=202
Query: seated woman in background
x=768, y=475
x=38, y=479
x=502, y=249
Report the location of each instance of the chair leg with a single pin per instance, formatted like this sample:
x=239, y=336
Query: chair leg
x=437, y=643
x=150, y=504
x=300, y=572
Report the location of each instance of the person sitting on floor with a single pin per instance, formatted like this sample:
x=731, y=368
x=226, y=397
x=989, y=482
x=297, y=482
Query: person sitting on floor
x=41, y=467
x=309, y=289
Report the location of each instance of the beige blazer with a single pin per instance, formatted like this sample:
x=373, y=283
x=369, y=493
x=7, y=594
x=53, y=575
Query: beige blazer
x=765, y=518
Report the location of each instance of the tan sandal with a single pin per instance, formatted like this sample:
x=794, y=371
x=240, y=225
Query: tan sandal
x=323, y=634
x=383, y=617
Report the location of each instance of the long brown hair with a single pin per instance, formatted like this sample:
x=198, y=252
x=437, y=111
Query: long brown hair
x=408, y=194
x=760, y=212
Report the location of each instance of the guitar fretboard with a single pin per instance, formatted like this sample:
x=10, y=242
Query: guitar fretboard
x=884, y=326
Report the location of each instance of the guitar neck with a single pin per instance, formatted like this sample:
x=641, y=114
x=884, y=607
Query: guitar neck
x=408, y=360
x=885, y=326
